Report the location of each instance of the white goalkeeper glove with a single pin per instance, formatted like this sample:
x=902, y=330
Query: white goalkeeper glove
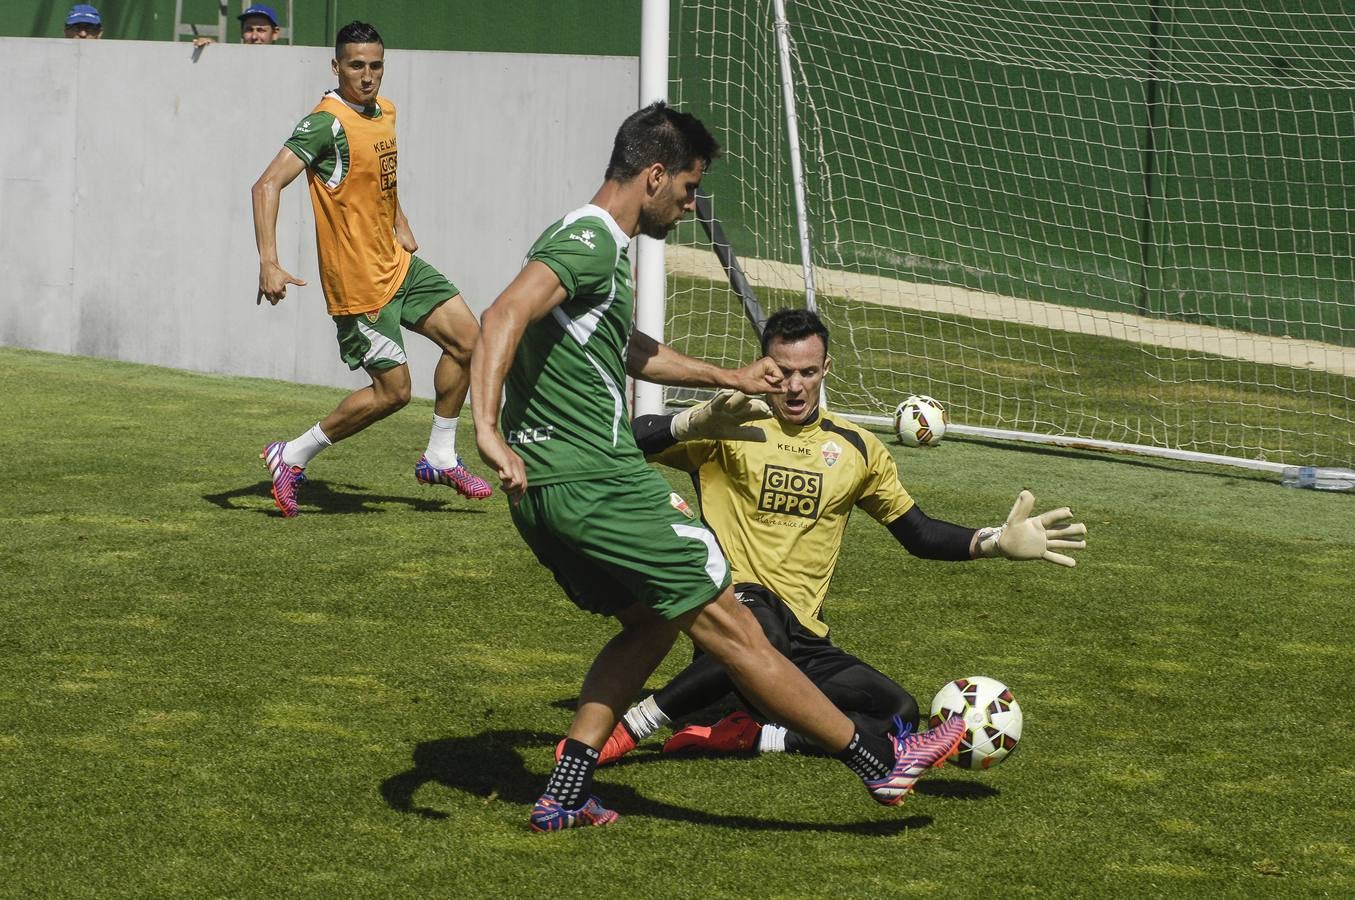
x=722, y=417
x=1024, y=536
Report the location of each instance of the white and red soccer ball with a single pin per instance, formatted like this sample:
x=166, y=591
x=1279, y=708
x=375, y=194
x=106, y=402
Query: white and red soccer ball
x=920, y=421
x=991, y=715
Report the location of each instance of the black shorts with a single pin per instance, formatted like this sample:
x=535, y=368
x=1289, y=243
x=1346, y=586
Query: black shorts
x=816, y=656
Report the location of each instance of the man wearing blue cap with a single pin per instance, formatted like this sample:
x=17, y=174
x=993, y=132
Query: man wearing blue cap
x=83, y=22
x=259, y=25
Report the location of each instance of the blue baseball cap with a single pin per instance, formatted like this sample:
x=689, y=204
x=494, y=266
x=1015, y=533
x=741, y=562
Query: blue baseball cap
x=83, y=14
x=258, y=9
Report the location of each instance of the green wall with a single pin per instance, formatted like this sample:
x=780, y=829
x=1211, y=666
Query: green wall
x=560, y=26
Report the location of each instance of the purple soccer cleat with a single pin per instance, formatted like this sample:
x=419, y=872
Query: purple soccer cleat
x=466, y=482
x=914, y=755
x=286, y=479
x=549, y=815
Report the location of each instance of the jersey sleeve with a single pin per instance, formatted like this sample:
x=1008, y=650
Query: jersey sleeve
x=313, y=139
x=687, y=456
x=582, y=256
x=882, y=494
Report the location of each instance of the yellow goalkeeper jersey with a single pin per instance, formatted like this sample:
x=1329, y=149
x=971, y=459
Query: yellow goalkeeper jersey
x=780, y=508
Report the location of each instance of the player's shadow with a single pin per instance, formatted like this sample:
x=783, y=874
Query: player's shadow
x=489, y=765
x=327, y=498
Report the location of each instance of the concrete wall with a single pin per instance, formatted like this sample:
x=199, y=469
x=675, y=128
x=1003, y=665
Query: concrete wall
x=125, y=169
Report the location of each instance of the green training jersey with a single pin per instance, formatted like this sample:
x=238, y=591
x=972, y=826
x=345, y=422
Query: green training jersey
x=564, y=409
x=320, y=142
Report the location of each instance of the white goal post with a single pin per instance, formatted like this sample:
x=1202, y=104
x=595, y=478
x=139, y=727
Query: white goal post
x=1124, y=224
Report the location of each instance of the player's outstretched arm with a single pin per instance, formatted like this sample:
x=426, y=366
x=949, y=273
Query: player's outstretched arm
x=651, y=360
x=1024, y=536
x=273, y=278
x=722, y=417
x=533, y=293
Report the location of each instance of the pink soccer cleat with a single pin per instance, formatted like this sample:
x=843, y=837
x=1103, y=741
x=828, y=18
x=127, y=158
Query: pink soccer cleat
x=286, y=479
x=914, y=755
x=549, y=815
x=466, y=482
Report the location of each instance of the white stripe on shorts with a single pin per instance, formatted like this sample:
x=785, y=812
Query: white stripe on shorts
x=716, y=566
x=381, y=347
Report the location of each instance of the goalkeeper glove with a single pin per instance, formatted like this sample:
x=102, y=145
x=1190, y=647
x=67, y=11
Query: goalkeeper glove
x=722, y=417
x=1024, y=536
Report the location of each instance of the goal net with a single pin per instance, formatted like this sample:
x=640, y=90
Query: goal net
x=1104, y=219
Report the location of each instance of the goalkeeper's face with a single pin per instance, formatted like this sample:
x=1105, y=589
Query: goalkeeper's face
x=803, y=363
x=670, y=197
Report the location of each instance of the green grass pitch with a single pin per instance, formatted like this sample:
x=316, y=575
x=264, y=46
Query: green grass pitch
x=199, y=698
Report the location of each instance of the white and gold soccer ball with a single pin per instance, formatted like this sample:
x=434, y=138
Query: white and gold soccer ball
x=920, y=421
x=991, y=715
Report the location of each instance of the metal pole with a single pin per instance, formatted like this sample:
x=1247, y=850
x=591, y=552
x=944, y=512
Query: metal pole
x=796, y=167
x=1150, y=151
x=650, y=287
x=705, y=214
x=793, y=144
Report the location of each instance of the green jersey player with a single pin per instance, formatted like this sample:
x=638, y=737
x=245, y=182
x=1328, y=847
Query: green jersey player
x=557, y=345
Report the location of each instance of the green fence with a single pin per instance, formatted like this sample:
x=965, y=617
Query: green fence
x=591, y=27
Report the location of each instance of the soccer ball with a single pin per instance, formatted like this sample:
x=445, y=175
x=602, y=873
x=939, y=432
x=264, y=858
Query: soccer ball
x=920, y=421
x=992, y=718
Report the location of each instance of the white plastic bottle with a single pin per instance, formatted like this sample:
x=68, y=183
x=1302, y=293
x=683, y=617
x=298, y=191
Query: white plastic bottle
x=1322, y=479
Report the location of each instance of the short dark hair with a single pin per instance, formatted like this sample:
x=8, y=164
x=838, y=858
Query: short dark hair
x=793, y=325
x=660, y=134
x=356, y=33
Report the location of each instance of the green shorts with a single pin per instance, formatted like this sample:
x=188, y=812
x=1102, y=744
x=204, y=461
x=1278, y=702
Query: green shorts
x=373, y=340
x=612, y=542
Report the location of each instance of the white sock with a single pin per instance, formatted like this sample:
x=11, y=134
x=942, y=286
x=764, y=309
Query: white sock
x=772, y=739
x=441, y=452
x=302, y=450
x=645, y=718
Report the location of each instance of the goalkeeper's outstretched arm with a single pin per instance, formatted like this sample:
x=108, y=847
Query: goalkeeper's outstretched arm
x=1022, y=536
x=928, y=538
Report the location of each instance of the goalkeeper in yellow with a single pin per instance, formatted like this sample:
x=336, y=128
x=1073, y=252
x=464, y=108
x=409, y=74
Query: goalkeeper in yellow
x=779, y=508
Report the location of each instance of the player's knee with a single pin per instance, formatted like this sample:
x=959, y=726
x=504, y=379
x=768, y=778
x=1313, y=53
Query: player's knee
x=740, y=650
x=393, y=398
x=457, y=334
x=461, y=348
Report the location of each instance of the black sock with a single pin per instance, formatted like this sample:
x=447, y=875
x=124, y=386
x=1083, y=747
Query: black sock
x=870, y=756
x=572, y=780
